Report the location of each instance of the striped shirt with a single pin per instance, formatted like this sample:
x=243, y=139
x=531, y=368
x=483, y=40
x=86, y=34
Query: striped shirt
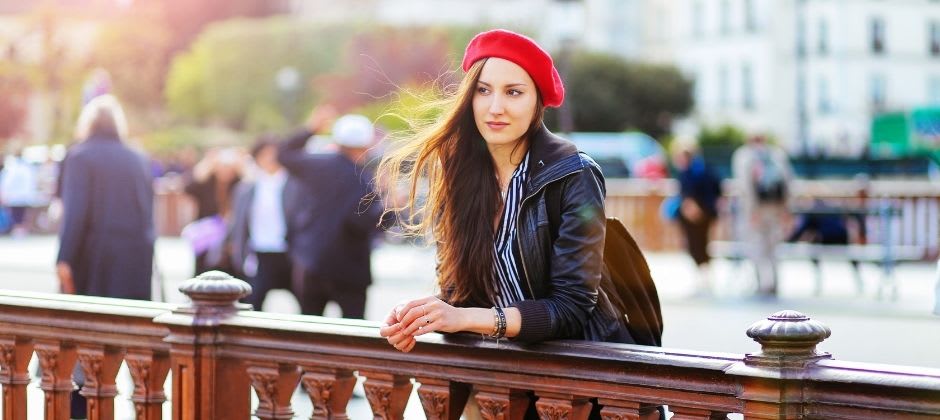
x=506, y=271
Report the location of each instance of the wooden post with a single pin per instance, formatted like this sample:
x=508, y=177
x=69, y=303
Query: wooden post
x=14, y=361
x=772, y=380
x=148, y=370
x=206, y=384
x=101, y=364
x=57, y=360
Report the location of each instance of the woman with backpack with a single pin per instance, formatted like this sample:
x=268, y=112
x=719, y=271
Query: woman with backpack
x=505, y=270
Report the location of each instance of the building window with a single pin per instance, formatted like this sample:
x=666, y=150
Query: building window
x=823, y=41
x=723, y=87
x=750, y=17
x=877, y=35
x=933, y=90
x=747, y=86
x=935, y=38
x=878, y=92
x=725, y=17
x=823, y=104
x=800, y=36
x=698, y=19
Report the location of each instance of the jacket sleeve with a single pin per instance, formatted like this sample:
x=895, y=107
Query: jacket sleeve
x=76, y=202
x=577, y=258
x=291, y=152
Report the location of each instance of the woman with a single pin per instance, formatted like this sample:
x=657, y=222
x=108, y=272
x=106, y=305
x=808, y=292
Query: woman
x=510, y=265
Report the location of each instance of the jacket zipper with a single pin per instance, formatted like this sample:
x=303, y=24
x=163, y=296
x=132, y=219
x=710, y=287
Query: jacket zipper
x=525, y=270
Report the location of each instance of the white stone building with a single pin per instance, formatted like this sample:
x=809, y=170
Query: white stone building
x=826, y=65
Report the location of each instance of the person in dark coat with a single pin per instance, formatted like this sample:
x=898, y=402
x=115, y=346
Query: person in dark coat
x=106, y=240
x=699, y=191
x=330, y=226
x=107, y=233
x=258, y=234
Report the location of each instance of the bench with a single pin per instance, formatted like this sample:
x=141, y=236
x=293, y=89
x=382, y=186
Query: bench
x=884, y=256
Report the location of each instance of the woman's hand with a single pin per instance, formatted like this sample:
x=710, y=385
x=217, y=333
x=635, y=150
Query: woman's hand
x=392, y=331
x=421, y=316
x=430, y=314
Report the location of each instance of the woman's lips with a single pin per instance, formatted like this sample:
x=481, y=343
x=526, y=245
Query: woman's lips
x=496, y=126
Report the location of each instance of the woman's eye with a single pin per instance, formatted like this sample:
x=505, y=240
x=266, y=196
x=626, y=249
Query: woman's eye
x=482, y=90
x=514, y=92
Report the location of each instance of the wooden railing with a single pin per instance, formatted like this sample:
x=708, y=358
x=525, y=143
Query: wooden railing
x=217, y=350
x=916, y=224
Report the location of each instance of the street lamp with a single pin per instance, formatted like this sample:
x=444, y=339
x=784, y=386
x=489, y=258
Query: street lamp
x=287, y=80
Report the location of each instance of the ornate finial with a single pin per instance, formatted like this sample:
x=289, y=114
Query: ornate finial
x=788, y=337
x=215, y=290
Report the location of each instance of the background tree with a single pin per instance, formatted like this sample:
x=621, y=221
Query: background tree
x=607, y=93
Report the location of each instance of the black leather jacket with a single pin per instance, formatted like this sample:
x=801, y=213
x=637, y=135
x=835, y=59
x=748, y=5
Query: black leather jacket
x=562, y=267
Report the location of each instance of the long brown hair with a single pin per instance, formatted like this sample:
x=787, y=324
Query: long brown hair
x=463, y=192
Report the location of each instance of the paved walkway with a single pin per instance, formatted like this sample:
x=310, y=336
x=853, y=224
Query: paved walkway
x=864, y=328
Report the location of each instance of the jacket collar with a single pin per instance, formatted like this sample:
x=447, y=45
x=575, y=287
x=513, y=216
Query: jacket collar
x=550, y=158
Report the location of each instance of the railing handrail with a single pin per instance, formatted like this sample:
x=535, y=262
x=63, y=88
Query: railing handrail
x=218, y=347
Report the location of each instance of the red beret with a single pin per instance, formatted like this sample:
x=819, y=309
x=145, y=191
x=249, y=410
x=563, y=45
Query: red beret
x=523, y=51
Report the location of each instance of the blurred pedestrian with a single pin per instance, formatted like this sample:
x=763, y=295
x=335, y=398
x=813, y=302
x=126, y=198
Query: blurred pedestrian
x=699, y=192
x=212, y=187
x=763, y=175
x=826, y=225
x=332, y=224
x=107, y=233
x=259, y=224
x=19, y=191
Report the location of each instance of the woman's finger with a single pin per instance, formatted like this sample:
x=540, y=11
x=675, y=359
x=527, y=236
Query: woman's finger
x=389, y=330
x=408, y=307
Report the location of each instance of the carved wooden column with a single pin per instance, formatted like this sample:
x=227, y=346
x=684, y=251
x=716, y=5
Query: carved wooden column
x=387, y=394
x=329, y=391
x=275, y=384
x=558, y=406
x=148, y=369
x=207, y=385
x=57, y=360
x=100, y=364
x=623, y=409
x=15, y=353
x=442, y=399
x=772, y=380
x=498, y=403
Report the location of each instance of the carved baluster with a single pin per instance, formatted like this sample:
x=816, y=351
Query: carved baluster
x=501, y=403
x=14, y=361
x=57, y=361
x=558, y=406
x=622, y=410
x=387, y=394
x=101, y=364
x=275, y=384
x=686, y=413
x=442, y=399
x=148, y=369
x=329, y=391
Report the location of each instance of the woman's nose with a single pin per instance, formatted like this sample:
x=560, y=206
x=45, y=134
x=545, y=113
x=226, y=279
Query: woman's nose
x=496, y=105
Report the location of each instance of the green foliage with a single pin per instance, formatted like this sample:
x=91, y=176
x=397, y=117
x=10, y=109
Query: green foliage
x=606, y=93
x=135, y=52
x=725, y=135
x=229, y=72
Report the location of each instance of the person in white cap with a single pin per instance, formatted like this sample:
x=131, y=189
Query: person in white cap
x=330, y=226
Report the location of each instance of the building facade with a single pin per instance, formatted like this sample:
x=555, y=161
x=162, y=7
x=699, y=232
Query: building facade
x=812, y=73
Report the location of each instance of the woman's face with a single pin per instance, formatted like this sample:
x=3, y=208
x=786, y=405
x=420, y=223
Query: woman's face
x=504, y=102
